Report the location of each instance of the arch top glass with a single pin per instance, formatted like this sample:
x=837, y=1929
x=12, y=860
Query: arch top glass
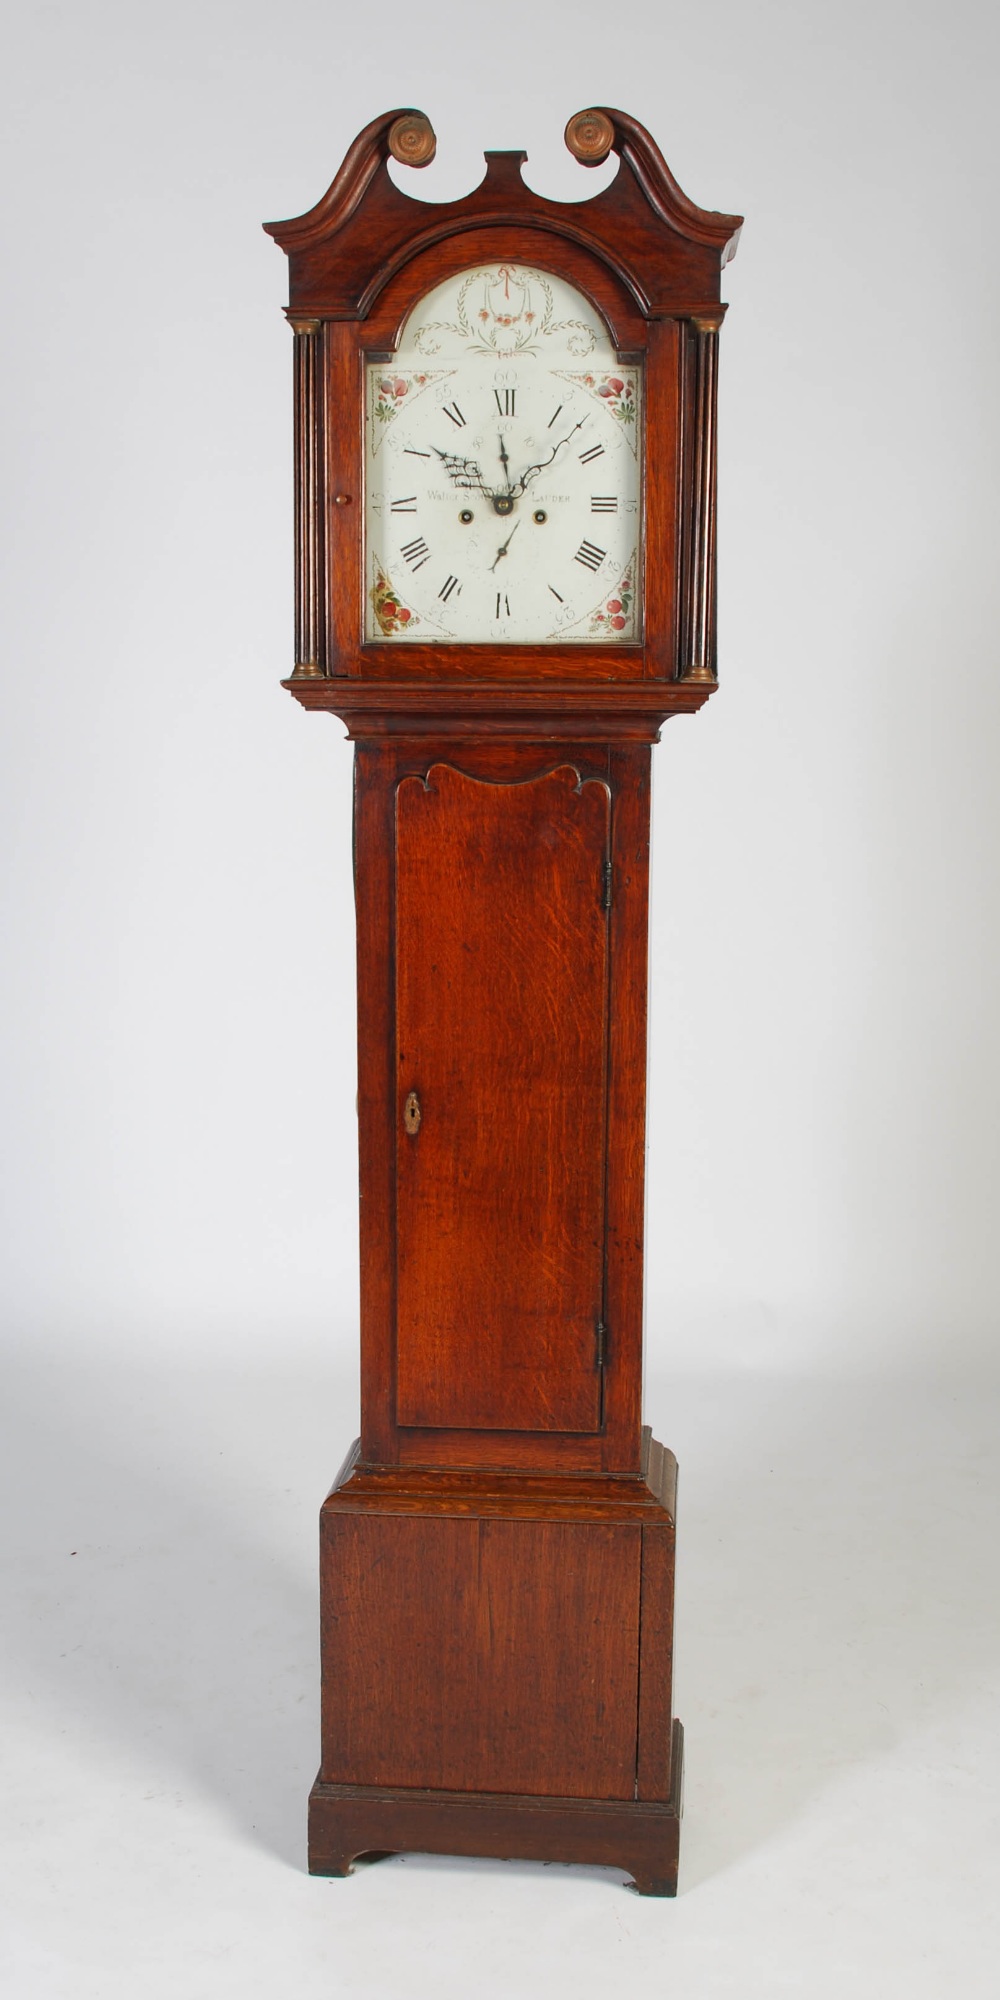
x=502, y=470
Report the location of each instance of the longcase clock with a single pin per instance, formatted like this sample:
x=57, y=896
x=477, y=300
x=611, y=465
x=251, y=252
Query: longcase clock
x=505, y=535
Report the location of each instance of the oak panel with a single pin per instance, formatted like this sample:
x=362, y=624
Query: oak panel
x=501, y=1040
x=481, y=1655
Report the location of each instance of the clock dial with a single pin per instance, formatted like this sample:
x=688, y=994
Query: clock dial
x=503, y=470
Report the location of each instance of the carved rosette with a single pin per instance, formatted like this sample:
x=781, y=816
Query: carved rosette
x=590, y=136
x=308, y=516
x=698, y=659
x=411, y=139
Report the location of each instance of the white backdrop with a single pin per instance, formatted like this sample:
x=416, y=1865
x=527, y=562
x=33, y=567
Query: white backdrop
x=178, y=1011
x=179, y=1261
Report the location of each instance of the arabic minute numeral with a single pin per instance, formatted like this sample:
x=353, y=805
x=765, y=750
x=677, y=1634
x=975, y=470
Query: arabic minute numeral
x=416, y=553
x=452, y=410
x=588, y=457
x=604, y=503
x=407, y=506
x=590, y=556
x=447, y=588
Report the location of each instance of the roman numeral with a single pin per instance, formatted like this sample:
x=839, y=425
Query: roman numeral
x=589, y=556
x=447, y=588
x=588, y=457
x=407, y=506
x=604, y=503
x=555, y=593
x=452, y=410
x=412, y=453
x=505, y=602
x=416, y=553
x=506, y=407
x=553, y=418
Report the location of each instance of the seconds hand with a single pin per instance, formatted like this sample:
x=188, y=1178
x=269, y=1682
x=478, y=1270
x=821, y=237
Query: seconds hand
x=506, y=546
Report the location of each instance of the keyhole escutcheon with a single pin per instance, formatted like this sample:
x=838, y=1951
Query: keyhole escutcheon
x=411, y=1114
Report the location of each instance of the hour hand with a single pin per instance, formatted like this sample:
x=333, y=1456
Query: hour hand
x=463, y=472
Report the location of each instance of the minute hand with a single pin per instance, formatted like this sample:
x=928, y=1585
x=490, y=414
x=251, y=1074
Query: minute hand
x=540, y=467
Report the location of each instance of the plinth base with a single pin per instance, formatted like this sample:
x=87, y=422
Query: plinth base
x=346, y=1821
x=496, y=1655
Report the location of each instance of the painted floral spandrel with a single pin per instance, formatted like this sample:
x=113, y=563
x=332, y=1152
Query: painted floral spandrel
x=391, y=615
x=616, y=613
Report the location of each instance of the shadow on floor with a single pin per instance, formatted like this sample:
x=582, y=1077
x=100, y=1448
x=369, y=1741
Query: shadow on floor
x=833, y=1542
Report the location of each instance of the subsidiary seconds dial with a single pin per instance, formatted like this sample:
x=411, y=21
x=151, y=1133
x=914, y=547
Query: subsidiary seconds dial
x=503, y=454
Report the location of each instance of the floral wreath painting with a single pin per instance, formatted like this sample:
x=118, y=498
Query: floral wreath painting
x=505, y=310
x=391, y=615
x=617, y=614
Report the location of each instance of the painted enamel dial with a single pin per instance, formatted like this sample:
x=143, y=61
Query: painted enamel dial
x=503, y=455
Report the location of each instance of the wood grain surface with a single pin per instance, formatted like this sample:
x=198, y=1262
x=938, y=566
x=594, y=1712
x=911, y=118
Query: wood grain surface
x=497, y=1555
x=437, y=1677
x=346, y=1821
x=496, y=986
x=501, y=1035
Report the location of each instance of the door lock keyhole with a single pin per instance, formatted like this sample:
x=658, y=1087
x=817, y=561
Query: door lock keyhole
x=411, y=1114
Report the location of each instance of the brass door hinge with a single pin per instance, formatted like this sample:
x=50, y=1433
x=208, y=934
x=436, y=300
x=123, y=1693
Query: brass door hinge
x=602, y=1344
x=606, y=885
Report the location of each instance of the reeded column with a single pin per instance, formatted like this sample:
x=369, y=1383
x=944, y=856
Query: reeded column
x=700, y=662
x=308, y=527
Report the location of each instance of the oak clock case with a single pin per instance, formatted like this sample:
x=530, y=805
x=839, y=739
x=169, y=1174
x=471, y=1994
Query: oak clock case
x=505, y=584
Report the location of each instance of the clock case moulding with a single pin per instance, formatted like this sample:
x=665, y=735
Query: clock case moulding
x=497, y=1603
